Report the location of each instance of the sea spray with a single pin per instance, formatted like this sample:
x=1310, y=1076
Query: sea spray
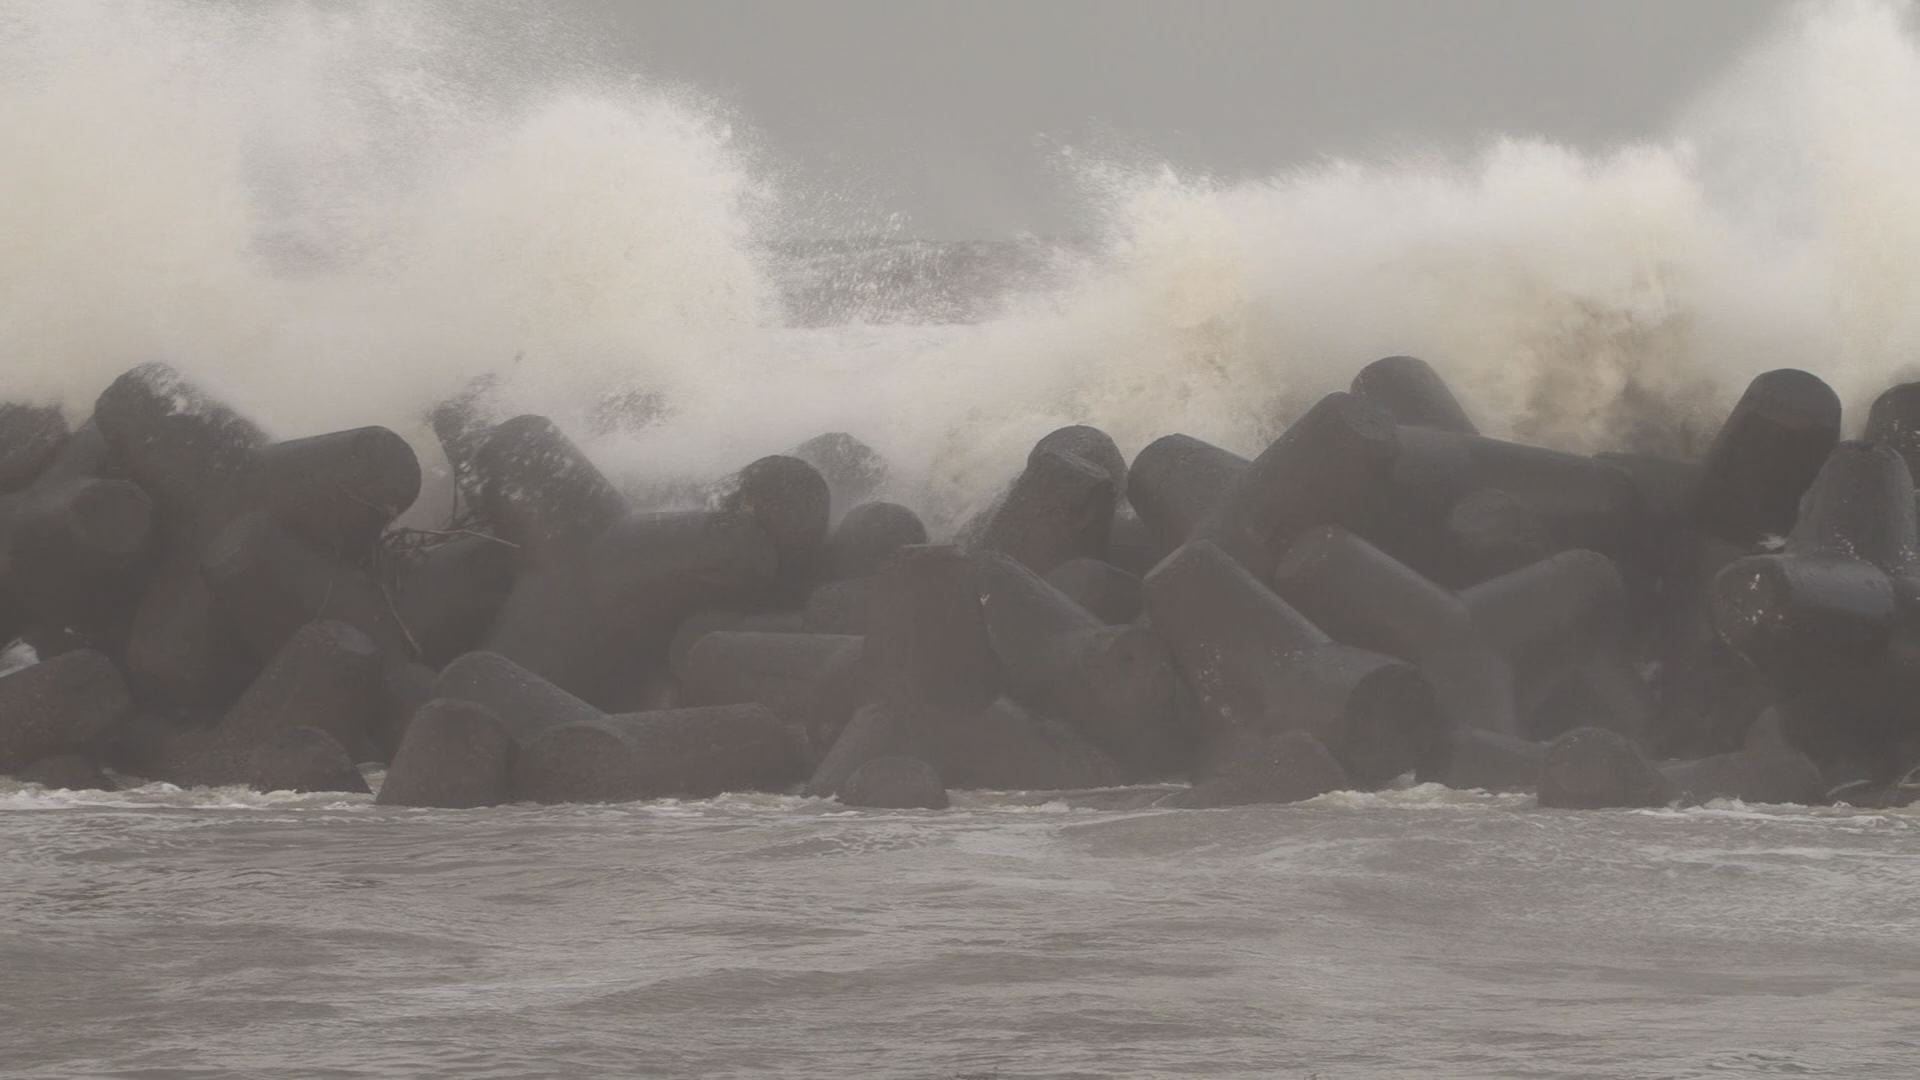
x=339, y=215
x=1603, y=299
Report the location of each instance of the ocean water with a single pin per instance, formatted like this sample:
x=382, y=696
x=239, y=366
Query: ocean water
x=337, y=214
x=1408, y=934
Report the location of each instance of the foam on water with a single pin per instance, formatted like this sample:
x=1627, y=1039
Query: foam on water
x=18, y=796
x=338, y=214
x=1001, y=806
x=1421, y=797
x=16, y=656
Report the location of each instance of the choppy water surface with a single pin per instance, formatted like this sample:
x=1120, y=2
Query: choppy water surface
x=1415, y=934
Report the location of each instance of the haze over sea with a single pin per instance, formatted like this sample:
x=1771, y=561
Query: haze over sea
x=338, y=214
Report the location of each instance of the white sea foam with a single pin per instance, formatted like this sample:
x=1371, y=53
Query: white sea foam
x=1420, y=797
x=17, y=656
x=20, y=796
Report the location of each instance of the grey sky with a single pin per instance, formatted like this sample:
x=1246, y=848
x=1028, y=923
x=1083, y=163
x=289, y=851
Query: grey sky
x=947, y=110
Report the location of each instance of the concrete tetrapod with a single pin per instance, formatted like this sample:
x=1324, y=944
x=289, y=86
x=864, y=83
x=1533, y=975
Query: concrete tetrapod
x=854, y=471
x=1176, y=482
x=30, y=436
x=66, y=772
x=1364, y=597
x=1000, y=746
x=524, y=703
x=1254, y=662
x=338, y=491
x=77, y=544
x=1112, y=684
x=1487, y=533
x=1267, y=768
x=701, y=623
x=1894, y=421
x=790, y=501
x=1333, y=466
x=868, y=536
x=1592, y=769
x=1832, y=621
x=1570, y=500
x=927, y=631
x=841, y=607
x=1476, y=758
x=690, y=753
x=1774, y=774
x=600, y=621
x=1767, y=451
x=455, y=754
x=194, y=457
x=71, y=704
x=448, y=597
x=1829, y=597
x=536, y=488
x=303, y=759
x=1089, y=444
x=812, y=682
x=1413, y=394
x=328, y=677
x=1059, y=508
x=1108, y=593
x=269, y=584
x=895, y=783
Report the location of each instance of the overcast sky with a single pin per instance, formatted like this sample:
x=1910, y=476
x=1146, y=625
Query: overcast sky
x=950, y=111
